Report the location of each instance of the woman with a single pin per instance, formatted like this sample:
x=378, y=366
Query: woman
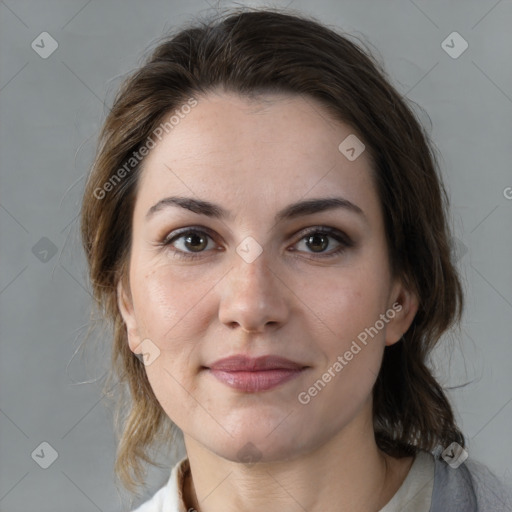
x=265, y=225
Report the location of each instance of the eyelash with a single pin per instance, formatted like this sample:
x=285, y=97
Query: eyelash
x=339, y=236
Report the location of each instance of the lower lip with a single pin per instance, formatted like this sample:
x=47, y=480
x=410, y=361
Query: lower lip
x=254, y=381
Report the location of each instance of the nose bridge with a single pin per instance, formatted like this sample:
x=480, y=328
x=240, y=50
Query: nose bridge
x=253, y=268
x=252, y=295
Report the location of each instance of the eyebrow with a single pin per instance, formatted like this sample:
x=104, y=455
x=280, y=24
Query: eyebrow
x=292, y=211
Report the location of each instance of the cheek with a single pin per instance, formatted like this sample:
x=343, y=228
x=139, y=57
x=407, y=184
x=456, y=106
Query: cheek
x=351, y=334
x=168, y=304
x=352, y=348
x=170, y=311
x=345, y=302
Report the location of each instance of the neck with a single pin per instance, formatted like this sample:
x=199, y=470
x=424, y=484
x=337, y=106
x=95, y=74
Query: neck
x=347, y=473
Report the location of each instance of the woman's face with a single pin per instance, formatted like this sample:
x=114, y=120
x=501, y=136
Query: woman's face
x=246, y=274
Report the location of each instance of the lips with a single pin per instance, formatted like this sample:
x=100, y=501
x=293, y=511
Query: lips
x=253, y=375
x=244, y=363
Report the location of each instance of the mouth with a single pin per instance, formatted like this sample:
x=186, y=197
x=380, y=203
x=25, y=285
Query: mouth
x=253, y=375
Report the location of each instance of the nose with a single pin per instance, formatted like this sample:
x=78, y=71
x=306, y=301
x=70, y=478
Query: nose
x=253, y=296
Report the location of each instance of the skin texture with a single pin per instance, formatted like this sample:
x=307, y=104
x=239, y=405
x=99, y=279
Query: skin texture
x=254, y=157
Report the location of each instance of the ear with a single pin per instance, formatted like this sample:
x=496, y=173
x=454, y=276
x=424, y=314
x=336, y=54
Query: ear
x=404, y=303
x=125, y=305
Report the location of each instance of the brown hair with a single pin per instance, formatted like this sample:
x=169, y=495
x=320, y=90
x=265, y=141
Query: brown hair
x=252, y=52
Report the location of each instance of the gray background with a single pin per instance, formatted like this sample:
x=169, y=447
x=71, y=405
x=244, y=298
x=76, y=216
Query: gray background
x=51, y=110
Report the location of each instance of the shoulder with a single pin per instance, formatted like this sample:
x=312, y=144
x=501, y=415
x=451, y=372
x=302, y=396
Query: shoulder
x=471, y=487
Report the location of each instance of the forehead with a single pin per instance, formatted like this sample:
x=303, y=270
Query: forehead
x=247, y=153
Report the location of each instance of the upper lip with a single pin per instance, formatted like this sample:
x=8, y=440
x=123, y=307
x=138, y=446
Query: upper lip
x=245, y=363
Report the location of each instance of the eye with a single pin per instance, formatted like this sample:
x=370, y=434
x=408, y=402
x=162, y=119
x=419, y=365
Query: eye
x=187, y=242
x=319, y=239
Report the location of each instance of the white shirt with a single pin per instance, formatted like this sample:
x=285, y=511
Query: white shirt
x=415, y=493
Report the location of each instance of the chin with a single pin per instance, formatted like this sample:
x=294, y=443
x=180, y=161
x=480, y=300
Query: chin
x=255, y=444
x=253, y=452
